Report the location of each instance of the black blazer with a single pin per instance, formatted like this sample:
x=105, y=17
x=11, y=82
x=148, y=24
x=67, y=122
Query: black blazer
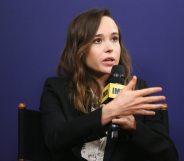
x=66, y=130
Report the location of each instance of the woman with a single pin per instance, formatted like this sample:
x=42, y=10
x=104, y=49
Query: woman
x=75, y=123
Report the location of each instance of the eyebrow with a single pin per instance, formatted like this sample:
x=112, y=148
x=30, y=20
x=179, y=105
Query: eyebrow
x=114, y=33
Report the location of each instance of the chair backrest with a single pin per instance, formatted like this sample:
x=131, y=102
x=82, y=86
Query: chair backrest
x=31, y=144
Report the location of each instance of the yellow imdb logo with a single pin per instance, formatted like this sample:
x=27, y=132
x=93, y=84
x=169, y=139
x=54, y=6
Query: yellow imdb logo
x=111, y=91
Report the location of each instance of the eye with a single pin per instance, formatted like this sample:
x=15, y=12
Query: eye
x=115, y=38
x=97, y=40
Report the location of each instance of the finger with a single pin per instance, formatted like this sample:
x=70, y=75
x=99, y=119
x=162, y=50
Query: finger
x=125, y=123
x=150, y=106
x=131, y=84
x=147, y=91
x=121, y=120
x=124, y=116
x=145, y=112
x=150, y=99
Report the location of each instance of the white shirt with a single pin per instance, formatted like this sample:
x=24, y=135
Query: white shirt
x=94, y=150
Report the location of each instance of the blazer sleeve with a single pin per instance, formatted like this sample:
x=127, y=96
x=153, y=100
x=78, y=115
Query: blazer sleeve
x=152, y=135
x=60, y=132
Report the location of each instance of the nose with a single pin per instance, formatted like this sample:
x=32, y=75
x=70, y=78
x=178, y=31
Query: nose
x=108, y=47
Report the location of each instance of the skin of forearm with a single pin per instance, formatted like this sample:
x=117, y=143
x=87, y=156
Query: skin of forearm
x=108, y=113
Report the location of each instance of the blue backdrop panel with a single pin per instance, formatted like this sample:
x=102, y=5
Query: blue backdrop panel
x=32, y=34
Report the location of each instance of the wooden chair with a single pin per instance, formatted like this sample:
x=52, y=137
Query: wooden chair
x=31, y=144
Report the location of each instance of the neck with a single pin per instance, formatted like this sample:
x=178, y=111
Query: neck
x=102, y=81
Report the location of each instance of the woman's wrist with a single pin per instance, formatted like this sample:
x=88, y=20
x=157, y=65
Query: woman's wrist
x=107, y=114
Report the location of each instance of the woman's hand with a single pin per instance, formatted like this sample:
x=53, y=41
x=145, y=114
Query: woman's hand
x=129, y=102
x=125, y=122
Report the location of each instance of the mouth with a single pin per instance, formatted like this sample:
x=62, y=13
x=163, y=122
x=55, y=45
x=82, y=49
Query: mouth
x=109, y=61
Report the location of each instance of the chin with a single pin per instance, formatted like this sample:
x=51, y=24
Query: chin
x=104, y=71
x=108, y=70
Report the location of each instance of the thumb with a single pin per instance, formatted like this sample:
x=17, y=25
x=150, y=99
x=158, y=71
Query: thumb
x=131, y=84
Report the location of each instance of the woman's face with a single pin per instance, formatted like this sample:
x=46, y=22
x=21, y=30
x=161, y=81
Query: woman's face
x=105, y=49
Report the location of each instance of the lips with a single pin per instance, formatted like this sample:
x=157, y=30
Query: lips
x=109, y=61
